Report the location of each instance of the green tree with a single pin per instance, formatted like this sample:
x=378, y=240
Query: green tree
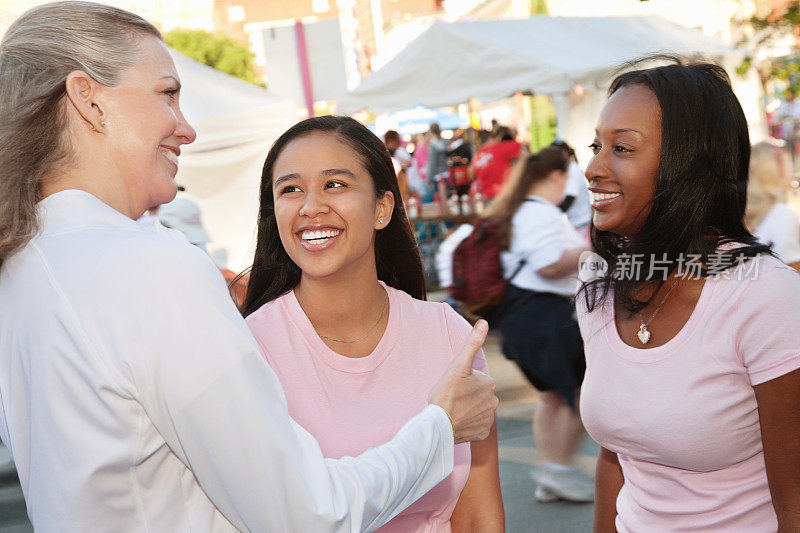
x=539, y=7
x=767, y=31
x=215, y=50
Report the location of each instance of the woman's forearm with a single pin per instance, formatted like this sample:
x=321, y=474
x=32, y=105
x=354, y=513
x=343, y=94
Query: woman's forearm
x=567, y=265
x=780, y=435
x=480, y=505
x=608, y=482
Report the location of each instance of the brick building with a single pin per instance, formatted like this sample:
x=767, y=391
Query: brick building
x=364, y=21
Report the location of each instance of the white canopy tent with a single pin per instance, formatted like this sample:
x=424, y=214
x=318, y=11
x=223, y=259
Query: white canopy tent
x=573, y=59
x=236, y=123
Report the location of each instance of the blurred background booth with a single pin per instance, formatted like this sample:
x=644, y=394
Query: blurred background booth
x=571, y=59
x=236, y=123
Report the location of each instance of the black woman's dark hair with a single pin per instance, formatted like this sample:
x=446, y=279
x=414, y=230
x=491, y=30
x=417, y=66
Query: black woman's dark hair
x=700, y=190
x=397, y=256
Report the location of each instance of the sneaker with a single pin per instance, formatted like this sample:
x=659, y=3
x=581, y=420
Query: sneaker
x=545, y=495
x=568, y=484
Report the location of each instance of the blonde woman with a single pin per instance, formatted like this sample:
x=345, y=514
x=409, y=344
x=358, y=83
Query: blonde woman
x=768, y=215
x=132, y=395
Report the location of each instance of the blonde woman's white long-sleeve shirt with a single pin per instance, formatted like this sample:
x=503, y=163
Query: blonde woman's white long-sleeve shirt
x=133, y=396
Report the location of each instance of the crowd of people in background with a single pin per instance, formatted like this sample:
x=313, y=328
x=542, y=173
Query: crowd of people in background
x=487, y=156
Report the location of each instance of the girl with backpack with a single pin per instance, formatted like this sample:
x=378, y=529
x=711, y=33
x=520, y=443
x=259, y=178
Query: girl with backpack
x=336, y=302
x=536, y=318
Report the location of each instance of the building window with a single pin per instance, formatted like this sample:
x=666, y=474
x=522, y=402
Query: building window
x=236, y=14
x=320, y=6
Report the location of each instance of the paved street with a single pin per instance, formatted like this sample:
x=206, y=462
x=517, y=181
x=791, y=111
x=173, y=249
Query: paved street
x=518, y=457
x=517, y=461
x=12, y=507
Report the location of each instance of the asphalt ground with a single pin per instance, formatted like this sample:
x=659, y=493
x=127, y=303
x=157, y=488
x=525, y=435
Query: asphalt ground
x=518, y=457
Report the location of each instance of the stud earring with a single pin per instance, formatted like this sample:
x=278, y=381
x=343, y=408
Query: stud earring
x=102, y=123
x=380, y=220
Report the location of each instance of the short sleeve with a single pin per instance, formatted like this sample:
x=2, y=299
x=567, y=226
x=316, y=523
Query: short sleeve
x=458, y=331
x=537, y=235
x=766, y=324
x=511, y=150
x=575, y=180
x=781, y=227
x=403, y=156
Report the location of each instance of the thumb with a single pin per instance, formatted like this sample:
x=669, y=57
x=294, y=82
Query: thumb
x=463, y=361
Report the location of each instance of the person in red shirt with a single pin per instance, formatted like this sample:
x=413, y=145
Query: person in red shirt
x=492, y=162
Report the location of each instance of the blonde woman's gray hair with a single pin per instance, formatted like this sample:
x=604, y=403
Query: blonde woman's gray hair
x=770, y=171
x=37, y=53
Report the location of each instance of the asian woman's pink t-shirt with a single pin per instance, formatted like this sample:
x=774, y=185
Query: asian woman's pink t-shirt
x=683, y=417
x=352, y=404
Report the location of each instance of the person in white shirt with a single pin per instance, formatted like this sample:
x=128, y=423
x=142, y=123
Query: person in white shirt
x=536, y=318
x=768, y=215
x=576, y=203
x=399, y=154
x=132, y=395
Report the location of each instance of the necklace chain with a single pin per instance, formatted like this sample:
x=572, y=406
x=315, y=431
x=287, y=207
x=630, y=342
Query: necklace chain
x=644, y=333
x=370, y=330
x=664, y=299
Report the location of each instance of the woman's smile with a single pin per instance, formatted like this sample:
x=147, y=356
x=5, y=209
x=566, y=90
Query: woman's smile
x=171, y=153
x=318, y=238
x=601, y=199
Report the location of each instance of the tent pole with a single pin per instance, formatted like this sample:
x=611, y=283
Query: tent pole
x=305, y=72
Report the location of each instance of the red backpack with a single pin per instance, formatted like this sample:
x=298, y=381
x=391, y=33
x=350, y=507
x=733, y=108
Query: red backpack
x=478, y=281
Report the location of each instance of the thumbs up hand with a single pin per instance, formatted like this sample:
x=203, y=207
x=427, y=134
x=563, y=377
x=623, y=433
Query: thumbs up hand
x=467, y=395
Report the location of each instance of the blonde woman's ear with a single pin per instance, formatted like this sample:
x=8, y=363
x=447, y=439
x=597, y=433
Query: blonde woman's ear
x=82, y=94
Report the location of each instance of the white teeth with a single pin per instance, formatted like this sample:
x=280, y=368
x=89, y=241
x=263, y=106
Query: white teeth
x=598, y=196
x=169, y=154
x=319, y=235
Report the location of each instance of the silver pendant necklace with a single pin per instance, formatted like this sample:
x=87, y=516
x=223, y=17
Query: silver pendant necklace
x=643, y=333
x=370, y=330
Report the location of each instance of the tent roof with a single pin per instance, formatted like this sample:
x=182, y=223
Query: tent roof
x=210, y=92
x=225, y=110
x=236, y=123
x=492, y=59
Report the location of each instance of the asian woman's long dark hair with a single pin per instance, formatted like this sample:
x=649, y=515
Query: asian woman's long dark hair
x=397, y=256
x=700, y=191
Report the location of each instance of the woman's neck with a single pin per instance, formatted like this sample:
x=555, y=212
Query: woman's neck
x=89, y=180
x=552, y=192
x=345, y=307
